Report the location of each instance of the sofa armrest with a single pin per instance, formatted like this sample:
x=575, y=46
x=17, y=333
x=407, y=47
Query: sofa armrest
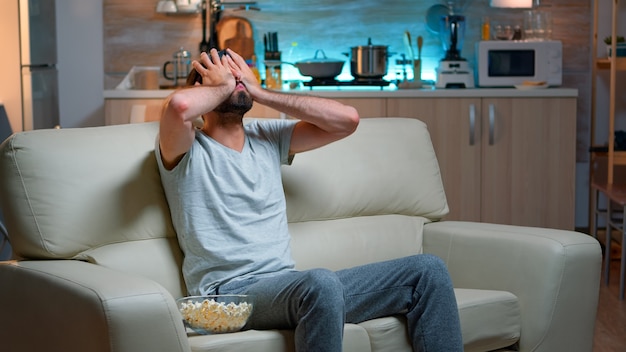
x=554, y=273
x=69, y=305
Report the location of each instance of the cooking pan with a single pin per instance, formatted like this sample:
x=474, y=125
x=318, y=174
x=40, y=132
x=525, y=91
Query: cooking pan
x=319, y=67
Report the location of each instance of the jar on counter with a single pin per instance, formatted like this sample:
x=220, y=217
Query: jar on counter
x=273, y=75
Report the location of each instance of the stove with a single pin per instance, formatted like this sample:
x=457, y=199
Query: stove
x=330, y=82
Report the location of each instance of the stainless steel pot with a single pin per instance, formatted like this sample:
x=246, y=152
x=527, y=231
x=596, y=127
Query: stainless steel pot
x=320, y=67
x=369, y=61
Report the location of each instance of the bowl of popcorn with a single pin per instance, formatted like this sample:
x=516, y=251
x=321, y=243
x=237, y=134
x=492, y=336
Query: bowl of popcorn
x=215, y=314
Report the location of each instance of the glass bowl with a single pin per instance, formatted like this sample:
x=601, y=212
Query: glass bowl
x=215, y=314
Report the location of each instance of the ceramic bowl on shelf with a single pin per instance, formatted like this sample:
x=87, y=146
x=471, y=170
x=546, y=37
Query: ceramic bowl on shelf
x=215, y=314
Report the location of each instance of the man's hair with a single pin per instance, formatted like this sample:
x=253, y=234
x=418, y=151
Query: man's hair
x=194, y=76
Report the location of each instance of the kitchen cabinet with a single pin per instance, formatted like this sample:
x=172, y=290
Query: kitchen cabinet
x=506, y=156
x=454, y=126
x=367, y=107
x=120, y=111
x=503, y=160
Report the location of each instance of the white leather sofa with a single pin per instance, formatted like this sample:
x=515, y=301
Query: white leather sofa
x=101, y=265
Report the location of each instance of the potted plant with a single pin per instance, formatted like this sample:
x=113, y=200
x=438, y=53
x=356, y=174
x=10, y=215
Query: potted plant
x=620, y=43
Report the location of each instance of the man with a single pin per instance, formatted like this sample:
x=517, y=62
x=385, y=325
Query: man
x=223, y=185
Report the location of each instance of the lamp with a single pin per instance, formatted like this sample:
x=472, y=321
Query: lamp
x=512, y=3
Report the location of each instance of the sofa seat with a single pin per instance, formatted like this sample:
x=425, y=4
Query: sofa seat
x=489, y=319
x=355, y=340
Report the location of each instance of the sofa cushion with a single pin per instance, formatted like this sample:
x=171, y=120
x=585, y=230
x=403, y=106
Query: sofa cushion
x=159, y=259
x=104, y=187
x=388, y=334
x=355, y=340
x=343, y=243
x=358, y=177
x=489, y=320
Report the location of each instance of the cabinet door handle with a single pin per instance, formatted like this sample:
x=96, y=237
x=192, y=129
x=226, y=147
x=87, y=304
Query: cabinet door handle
x=472, y=121
x=492, y=122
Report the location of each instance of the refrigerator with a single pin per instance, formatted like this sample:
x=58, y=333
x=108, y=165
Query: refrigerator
x=38, y=60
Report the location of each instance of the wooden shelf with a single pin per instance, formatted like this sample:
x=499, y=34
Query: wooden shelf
x=605, y=63
x=610, y=157
x=616, y=192
x=619, y=157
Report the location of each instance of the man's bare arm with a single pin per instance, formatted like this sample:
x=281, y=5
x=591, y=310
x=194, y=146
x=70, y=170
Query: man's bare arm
x=322, y=120
x=182, y=107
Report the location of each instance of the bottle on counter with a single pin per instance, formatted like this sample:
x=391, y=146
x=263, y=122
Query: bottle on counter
x=273, y=76
x=486, y=29
x=255, y=68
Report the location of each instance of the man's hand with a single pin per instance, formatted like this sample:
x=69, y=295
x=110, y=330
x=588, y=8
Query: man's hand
x=322, y=120
x=215, y=71
x=182, y=108
x=243, y=73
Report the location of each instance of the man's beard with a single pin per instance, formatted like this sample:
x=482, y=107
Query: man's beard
x=238, y=103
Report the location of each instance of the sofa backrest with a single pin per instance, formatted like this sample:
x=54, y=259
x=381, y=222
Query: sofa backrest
x=95, y=194
x=388, y=166
x=366, y=197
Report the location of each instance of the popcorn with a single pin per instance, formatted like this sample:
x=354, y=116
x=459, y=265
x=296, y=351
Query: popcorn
x=215, y=317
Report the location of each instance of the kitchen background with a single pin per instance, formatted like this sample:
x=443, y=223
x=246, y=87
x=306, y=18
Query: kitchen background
x=100, y=40
x=135, y=34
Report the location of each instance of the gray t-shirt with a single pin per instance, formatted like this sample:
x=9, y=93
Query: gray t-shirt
x=228, y=208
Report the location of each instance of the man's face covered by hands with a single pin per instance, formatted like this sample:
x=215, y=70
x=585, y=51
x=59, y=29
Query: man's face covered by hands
x=240, y=101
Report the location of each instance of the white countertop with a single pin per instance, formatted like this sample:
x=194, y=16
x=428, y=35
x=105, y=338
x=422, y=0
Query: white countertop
x=378, y=92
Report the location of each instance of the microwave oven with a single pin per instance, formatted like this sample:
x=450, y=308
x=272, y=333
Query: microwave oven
x=507, y=63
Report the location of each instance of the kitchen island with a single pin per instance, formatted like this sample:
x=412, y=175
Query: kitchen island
x=506, y=155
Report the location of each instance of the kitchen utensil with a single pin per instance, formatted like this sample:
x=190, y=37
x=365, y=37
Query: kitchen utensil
x=453, y=71
x=417, y=64
x=420, y=43
x=409, y=45
x=227, y=28
x=181, y=65
x=320, y=67
x=369, y=61
x=240, y=43
x=274, y=41
x=270, y=42
x=204, y=44
x=452, y=34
